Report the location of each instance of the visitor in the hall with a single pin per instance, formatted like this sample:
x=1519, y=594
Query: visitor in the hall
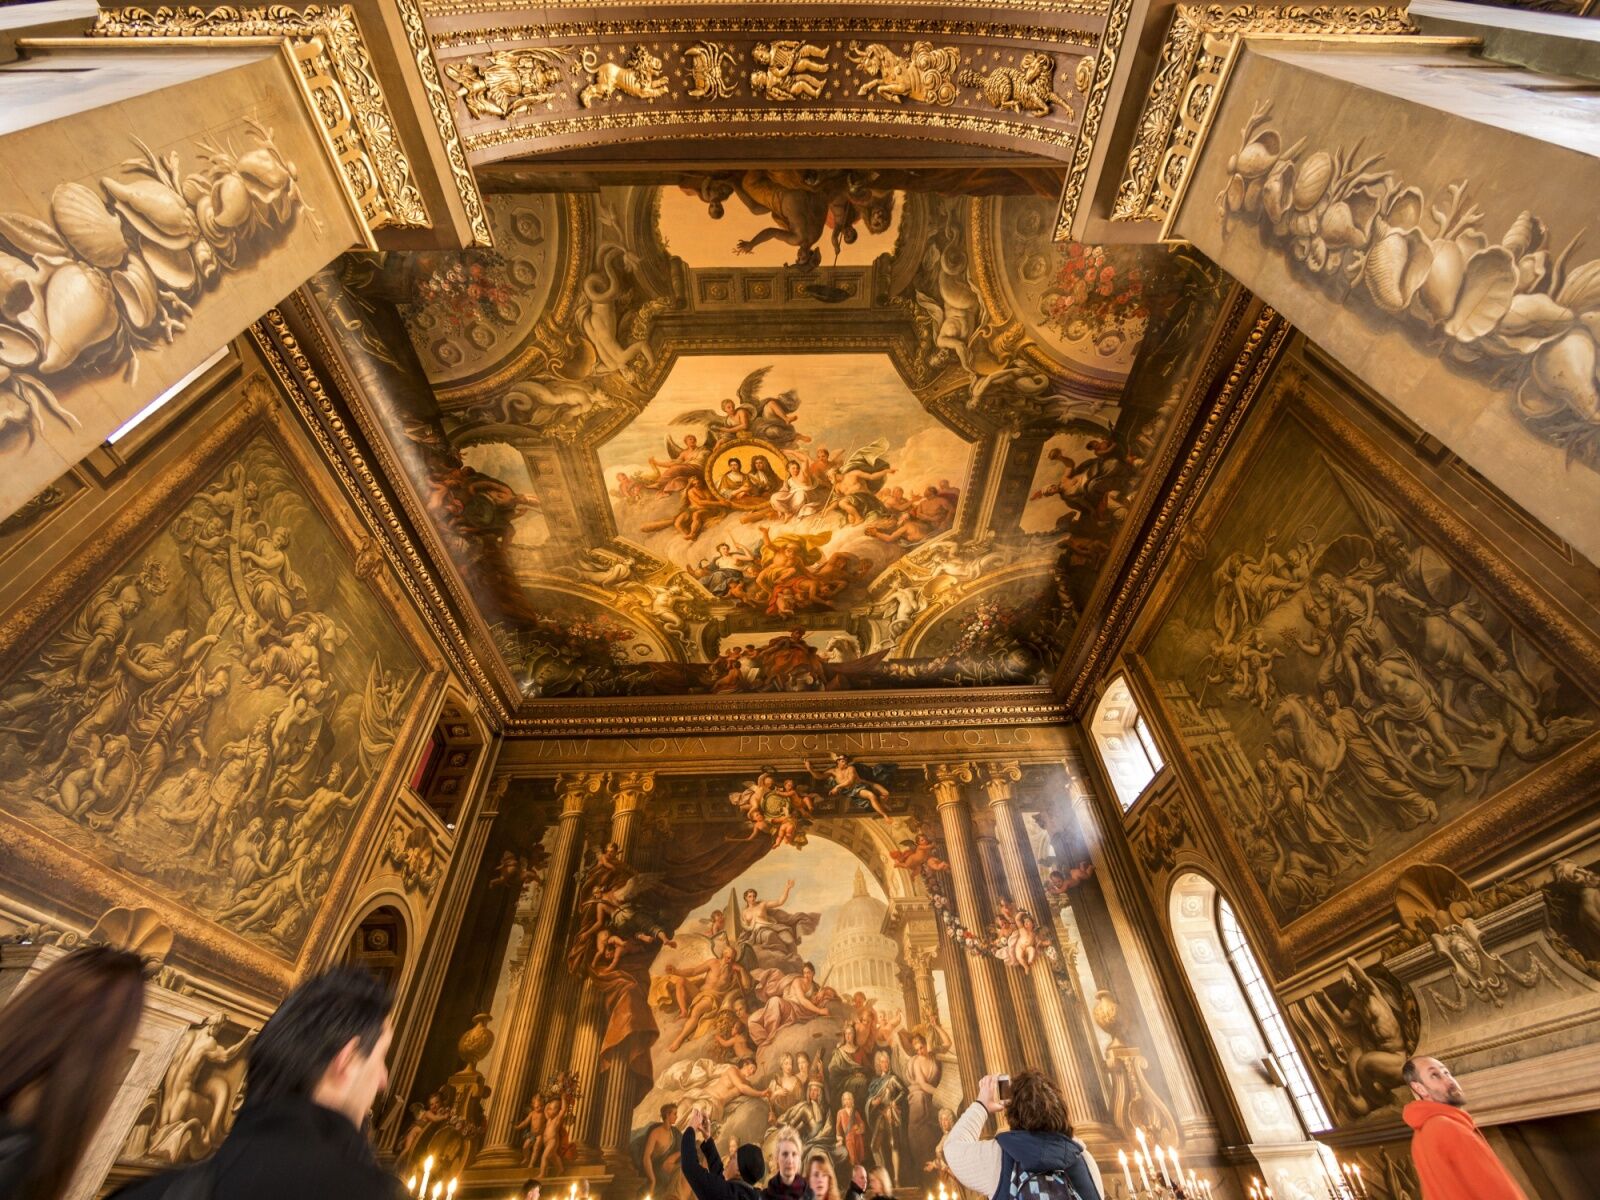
x=787, y=1183
x=1040, y=1140
x=822, y=1179
x=529, y=1190
x=64, y=1042
x=1454, y=1160
x=313, y=1073
x=879, y=1185
x=706, y=1179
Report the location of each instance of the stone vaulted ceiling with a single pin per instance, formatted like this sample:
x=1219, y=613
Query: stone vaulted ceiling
x=775, y=430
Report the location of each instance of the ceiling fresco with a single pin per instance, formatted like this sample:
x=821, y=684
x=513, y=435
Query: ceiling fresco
x=776, y=430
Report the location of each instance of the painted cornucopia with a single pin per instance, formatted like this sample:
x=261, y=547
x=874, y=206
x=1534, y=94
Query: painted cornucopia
x=1507, y=306
x=120, y=268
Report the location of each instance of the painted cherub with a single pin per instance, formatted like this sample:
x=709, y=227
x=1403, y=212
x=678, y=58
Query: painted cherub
x=919, y=854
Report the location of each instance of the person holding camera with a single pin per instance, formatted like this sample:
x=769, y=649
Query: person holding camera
x=1037, y=1159
x=707, y=1179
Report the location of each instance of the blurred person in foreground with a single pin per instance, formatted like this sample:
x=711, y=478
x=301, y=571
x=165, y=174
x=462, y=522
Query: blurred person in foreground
x=1454, y=1160
x=311, y=1079
x=1037, y=1157
x=708, y=1180
x=64, y=1041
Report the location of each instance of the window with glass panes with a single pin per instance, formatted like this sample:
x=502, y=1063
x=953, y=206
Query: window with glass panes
x=1307, y=1104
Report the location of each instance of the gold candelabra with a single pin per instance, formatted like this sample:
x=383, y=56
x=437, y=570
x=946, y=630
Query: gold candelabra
x=442, y=1189
x=1161, y=1173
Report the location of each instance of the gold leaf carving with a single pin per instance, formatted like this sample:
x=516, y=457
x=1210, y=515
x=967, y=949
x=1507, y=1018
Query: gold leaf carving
x=711, y=66
x=1184, y=87
x=1029, y=88
x=926, y=74
x=640, y=77
x=789, y=70
x=509, y=82
x=341, y=77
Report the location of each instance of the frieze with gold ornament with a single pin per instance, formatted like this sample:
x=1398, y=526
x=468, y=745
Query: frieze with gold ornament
x=509, y=82
x=789, y=70
x=640, y=77
x=1185, y=85
x=926, y=73
x=1028, y=88
x=340, y=75
x=712, y=71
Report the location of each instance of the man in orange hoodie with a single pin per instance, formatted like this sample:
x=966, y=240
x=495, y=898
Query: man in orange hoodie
x=1453, y=1160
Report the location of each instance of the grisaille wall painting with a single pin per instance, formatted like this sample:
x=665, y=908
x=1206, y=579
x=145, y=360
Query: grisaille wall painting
x=210, y=716
x=774, y=946
x=778, y=431
x=1344, y=688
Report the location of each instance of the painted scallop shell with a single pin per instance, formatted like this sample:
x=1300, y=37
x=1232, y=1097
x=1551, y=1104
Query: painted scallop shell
x=82, y=218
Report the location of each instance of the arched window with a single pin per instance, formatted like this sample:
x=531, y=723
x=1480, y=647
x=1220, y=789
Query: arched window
x=1263, y=1070
x=1291, y=1067
x=1127, y=748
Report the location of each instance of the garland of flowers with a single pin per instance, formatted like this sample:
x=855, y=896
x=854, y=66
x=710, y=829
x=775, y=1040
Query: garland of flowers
x=988, y=947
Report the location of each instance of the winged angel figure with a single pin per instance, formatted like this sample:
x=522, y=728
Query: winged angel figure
x=752, y=415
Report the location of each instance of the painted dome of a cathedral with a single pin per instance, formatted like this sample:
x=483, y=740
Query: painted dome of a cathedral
x=862, y=913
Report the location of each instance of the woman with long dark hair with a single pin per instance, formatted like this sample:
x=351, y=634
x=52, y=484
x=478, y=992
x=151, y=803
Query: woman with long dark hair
x=64, y=1040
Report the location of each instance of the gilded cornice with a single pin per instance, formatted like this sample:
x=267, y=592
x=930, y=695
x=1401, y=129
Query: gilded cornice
x=1188, y=80
x=839, y=26
x=1184, y=490
x=444, y=120
x=705, y=715
x=469, y=8
x=1094, y=111
x=346, y=96
x=318, y=412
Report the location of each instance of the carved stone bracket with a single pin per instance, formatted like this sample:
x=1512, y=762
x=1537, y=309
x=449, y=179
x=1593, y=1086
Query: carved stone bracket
x=1189, y=74
x=340, y=77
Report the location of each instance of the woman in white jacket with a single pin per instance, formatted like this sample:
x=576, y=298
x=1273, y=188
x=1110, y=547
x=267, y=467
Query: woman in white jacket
x=1040, y=1140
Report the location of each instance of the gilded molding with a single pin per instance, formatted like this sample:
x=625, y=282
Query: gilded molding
x=1094, y=111
x=1244, y=381
x=1186, y=85
x=466, y=8
x=855, y=118
x=339, y=73
x=671, y=26
x=295, y=375
x=444, y=120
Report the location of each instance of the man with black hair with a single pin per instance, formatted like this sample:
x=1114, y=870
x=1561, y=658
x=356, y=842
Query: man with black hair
x=706, y=1180
x=312, y=1076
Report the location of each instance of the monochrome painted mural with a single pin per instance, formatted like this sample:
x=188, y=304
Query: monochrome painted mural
x=212, y=715
x=770, y=431
x=1343, y=686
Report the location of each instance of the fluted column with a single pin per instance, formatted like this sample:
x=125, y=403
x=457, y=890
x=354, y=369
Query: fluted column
x=965, y=875
x=622, y=1093
x=1026, y=1041
x=526, y=1016
x=1082, y=1095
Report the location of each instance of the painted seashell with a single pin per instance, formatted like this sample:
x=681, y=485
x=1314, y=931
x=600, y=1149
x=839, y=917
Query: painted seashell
x=1486, y=291
x=1278, y=191
x=1436, y=298
x=1405, y=209
x=1300, y=248
x=1252, y=196
x=1532, y=269
x=231, y=201
x=80, y=312
x=31, y=235
x=19, y=349
x=1302, y=224
x=18, y=285
x=1565, y=371
x=1317, y=254
x=1338, y=226
x=137, y=292
x=1580, y=291
x=1395, y=268
x=173, y=269
x=1312, y=179
x=1233, y=195
x=1532, y=320
x=1526, y=234
x=1257, y=158
x=88, y=226
x=156, y=211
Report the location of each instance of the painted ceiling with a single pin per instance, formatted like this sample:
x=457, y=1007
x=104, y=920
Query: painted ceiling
x=776, y=430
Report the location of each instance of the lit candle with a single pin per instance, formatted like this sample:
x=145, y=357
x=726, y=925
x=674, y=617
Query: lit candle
x=411, y=1186
x=1161, y=1165
x=1177, y=1169
x=1143, y=1145
x=427, y=1169
x=1122, y=1157
x=450, y=1191
x=1361, y=1188
x=1144, y=1177
x=438, y=1188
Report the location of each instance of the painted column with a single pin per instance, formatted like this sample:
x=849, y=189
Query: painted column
x=622, y=1091
x=965, y=874
x=527, y=1014
x=1016, y=996
x=963, y=1017
x=1067, y=1056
